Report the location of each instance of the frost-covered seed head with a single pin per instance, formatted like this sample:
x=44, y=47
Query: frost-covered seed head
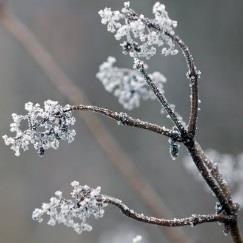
x=142, y=40
x=128, y=85
x=74, y=212
x=46, y=127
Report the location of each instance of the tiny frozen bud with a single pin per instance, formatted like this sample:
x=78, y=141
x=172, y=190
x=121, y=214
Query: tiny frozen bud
x=46, y=127
x=74, y=183
x=174, y=149
x=126, y=4
x=85, y=202
x=138, y=64
x=37, y=215
x=58, y=194
x=28, y=106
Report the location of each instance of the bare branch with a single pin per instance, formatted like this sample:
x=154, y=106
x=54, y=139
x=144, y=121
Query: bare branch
x=176, y=222
x=127, y=120
x=193, y=75
x=215, y=172
x=163, y=101
x=211, y=181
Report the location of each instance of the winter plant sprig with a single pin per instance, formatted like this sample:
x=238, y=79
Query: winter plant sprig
x=141, y=38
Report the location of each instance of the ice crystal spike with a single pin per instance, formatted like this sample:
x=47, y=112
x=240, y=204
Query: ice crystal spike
x=46, y=127
x=140, y=41
x=128, y=85
x=74, y=212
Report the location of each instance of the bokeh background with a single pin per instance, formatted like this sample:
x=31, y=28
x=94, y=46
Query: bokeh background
x=72, y=33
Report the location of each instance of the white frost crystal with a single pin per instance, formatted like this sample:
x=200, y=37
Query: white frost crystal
x=140, y=40
x=231, y=168
x=84, y=203
x=45, y=128
x=128, y=85
x=137, y=239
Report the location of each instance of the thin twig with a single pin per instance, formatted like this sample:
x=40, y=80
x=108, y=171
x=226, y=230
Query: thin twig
x=162, y=100
x=127, y=120
x=124, y=165
x=176, y=222
x=193, y=75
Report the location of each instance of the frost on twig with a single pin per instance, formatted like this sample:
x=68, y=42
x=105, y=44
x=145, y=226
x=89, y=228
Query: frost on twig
x=128, y=85
x=231, y=168
x=42, y=128
x=84, y=203
x=139, y=40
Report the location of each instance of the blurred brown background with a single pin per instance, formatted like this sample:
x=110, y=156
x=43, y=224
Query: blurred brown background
x=72, y=33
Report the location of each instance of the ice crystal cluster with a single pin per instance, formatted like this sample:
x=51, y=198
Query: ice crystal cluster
x=231, y=168
x=43, y=128
x=128, y=85
x=140, y=40
x=73, y=213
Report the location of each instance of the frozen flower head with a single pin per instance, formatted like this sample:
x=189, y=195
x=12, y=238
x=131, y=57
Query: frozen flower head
x=140, y=39
x=43, y=128
x=128, y=85
x=73, y=213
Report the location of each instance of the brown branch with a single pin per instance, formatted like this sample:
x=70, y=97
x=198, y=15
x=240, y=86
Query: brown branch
x=198, y=160
x=193, y=76
x=176, y=222
x=192, y=73
x=127, y=120
x=215, y=172
x=124, y=165
x=162, y=100
x=228, y=206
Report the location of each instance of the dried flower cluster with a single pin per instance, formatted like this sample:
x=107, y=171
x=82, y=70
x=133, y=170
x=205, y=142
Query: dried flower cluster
x=84, y=203
x=43, y=128
x=128, y=85
x=139, y=40
x=231, y=167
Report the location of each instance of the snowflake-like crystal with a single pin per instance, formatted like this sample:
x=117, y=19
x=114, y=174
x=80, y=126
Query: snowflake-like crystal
x=45, y=127
x=73, y=213
x=140, y=40
x=128, y=85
